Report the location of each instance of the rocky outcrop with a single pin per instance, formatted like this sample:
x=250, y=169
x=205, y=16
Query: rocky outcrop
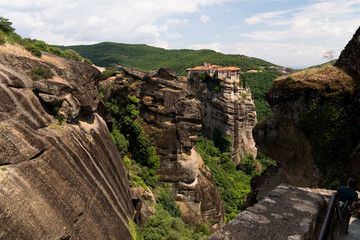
x=170, y=109
x=334, y=93
x=57, y=181
x=282, y=70
x=285, y=213
x=231, y=111
x=349, y=59
x=144, y=202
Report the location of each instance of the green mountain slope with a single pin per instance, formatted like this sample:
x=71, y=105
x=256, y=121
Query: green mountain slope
x=149, y=58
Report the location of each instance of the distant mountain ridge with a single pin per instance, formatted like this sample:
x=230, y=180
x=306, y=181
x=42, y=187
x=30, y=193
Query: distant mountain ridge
x=148, y=58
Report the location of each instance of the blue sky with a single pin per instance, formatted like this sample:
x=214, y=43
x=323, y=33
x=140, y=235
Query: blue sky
x=286, y=32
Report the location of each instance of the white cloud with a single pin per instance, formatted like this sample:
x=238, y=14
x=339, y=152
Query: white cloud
x=95, y=20
x=213, y=46
x=160, y=44
x=170, y=21
x=173, y=35
x=325, y=19
x=265, y=17
x=204, y=18
x=284, y=54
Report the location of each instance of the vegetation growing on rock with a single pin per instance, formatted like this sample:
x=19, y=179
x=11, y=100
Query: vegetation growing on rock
x=129, y=136
x=329, y=81
x=40, y=72
x=331, y=133
x=232, y=184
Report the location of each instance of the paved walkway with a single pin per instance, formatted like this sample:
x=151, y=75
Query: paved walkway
x=354, y=230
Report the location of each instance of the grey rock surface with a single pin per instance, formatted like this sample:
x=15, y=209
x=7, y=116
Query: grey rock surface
x=286, y=213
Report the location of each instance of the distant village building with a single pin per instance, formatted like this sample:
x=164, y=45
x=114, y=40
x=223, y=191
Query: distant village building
x=225, y=73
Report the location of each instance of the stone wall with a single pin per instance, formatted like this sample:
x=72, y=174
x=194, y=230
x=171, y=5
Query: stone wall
x=288, y=213
x=285, y=213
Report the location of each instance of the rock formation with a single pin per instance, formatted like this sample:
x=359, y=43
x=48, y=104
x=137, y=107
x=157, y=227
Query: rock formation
x=145, y=202
x=57, y=181
x=170, y=108
x=282, y=137
x=231, y=111
x=349, y=59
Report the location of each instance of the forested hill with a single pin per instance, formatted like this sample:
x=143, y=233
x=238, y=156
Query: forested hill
x=148, y=58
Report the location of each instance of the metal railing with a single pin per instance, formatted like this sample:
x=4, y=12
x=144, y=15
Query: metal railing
x=334, y=204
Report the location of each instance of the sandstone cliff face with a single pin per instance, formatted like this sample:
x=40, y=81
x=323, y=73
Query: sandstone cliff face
x=57, y=182
x=169, y=107
x=230, y=111
x=281, y=137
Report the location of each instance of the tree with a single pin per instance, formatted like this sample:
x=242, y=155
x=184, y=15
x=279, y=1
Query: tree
x=329, y=55
x=5, y=25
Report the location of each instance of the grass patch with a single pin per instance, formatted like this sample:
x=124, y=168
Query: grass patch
x=40, y=72
x=328, y=79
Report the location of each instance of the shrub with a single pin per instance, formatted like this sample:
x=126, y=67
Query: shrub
x=88, y=61
x=71, y=55
x=247, y=165
x=60, y=119
x=329, y=129
x=233, y=185
x=33, y=49
x=40, y=72
x=41, y=45
x=163, y=226
x=169, y=205
x=5, y=25
x=264, y=161
x=203, y=229
x=223, y=142
x=120, y=141
x=56, y=51
x=110, y=71
x=2, y=39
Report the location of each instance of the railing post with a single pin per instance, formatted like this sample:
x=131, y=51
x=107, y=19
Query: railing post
x=324, y=232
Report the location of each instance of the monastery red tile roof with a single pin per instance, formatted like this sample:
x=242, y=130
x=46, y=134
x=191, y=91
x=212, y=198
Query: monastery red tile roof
x=204, y=68
x=217, y=67
x=229, y=69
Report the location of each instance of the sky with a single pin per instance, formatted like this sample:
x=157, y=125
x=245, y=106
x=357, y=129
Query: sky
x=289, y=33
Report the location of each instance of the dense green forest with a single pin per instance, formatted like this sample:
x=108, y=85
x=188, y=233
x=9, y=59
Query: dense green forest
x=259, y=83
x=232, y=182
x=149, y=58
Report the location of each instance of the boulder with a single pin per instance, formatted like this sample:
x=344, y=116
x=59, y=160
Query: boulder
x=144, y=210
